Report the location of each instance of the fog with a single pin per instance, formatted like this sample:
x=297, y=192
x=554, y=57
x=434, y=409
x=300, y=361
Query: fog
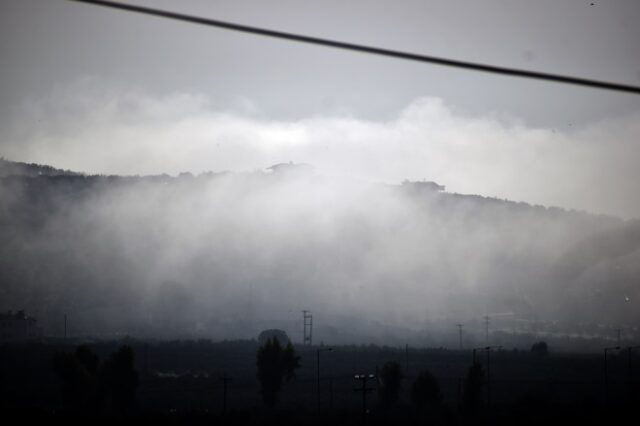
x=227, y=255
x=227, y=247
x=96, y=127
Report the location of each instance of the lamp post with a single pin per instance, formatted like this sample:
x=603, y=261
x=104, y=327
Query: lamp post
x=606, y=373
x=488, y=349
x=364, y=389
x=318, y=372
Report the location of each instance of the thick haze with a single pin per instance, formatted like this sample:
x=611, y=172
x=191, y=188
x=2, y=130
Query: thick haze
x=227, y=255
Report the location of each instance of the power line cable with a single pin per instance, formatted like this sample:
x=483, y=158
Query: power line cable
x=368, y=49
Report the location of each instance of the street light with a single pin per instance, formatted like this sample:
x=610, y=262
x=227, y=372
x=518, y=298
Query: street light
x=318, y=371
x=488, y=349
x=364, y=389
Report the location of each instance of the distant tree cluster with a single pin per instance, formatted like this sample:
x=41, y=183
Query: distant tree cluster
x=473, y=385
x=425, y=392
x=88, y=386
x=540, y=349
x=390, y=380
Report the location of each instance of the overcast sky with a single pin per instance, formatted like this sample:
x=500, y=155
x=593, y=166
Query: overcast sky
x=108, y=91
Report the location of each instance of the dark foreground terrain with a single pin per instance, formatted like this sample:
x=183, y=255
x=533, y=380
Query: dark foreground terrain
x=182, y=382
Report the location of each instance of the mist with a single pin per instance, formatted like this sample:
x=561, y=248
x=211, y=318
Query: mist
x=97, y=127
x=225, y=255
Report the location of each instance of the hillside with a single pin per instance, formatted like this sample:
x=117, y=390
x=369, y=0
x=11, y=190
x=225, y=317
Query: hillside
x=14, y=168
x=226, y=255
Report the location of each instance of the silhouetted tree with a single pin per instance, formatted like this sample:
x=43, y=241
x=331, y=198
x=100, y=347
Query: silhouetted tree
x=79, y=375
x=88, y=359
x=390, y=379
x=473, y=388
x=120, y=380
x=425, y=391
x=540, y=349
x=275, y=365
x=70, y=373
x=265, y=335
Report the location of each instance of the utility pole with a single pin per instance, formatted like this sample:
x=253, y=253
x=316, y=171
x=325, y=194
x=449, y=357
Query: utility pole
x=489, y=376
x=606, y=374
x=307, y=331
x=488, y=349
x=65, y=326
x=406, y=358
x=486, y=325
x=225, y=380
x=629, y=349
x=146, y=360
x=460, y=333
x=365, y=390
x=331, y=392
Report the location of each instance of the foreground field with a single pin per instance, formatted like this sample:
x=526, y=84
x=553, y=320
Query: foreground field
x=181, y=381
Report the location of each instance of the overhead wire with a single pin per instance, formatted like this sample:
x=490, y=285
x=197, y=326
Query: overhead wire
x=472, y=66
